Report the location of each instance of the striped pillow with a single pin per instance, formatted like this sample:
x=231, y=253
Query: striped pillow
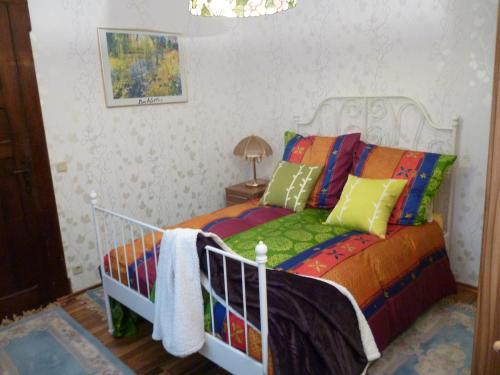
x=335, y=154
x=423, y=170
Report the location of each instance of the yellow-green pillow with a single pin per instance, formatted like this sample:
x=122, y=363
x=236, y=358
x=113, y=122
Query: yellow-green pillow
x=291, y=185
x=366, y=204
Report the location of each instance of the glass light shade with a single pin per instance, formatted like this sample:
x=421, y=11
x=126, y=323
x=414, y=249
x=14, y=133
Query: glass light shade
x=239, y=8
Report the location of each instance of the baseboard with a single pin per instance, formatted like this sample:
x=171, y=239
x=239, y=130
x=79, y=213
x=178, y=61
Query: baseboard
x=74, y=294
x=467, y=288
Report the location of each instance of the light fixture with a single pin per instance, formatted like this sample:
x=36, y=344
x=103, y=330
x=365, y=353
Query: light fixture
x=253, y=148
x=239, y=8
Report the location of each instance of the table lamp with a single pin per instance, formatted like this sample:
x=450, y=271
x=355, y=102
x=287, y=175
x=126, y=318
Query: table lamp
x=253, y=148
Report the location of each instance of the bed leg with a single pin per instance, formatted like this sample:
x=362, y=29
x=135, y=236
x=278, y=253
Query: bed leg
x=93, y=203
x=261, y=259
x=109, y=317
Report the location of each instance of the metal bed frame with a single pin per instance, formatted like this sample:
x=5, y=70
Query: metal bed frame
x=382, y=120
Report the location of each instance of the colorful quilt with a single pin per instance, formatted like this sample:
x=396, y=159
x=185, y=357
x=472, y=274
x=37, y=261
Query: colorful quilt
x=393, y=280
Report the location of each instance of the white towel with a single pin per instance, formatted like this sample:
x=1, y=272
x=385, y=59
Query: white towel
x=178, y=320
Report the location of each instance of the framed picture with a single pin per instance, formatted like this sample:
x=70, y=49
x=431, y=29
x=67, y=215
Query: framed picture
x=141, y=67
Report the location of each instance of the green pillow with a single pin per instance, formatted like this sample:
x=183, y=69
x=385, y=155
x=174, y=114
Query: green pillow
x=366, y=204
x=291, y=185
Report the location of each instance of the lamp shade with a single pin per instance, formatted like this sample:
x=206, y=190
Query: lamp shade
x=253, y=147
x=239, y=8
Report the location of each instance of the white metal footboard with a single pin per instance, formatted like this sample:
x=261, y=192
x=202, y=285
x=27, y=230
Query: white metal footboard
x=115, y=233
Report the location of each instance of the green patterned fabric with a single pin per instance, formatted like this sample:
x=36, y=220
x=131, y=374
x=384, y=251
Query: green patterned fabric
x=287, y=236
x=288, y=136
x=124, y=320
x=291, y=185
x=444, y=162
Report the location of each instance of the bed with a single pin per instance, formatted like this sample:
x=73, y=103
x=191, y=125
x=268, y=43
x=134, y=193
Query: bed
x=393, y=280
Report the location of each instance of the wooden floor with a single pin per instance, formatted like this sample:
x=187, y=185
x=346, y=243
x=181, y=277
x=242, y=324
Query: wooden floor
x=140, y=353
x=145, y=356
x=466, y=294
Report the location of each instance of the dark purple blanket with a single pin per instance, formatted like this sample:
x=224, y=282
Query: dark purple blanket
x=313, y=327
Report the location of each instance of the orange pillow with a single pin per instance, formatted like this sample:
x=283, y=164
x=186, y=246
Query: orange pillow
x=335, y=154
x=423, y=170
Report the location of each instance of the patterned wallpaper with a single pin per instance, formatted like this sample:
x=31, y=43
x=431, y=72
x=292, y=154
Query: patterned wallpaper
x=165, y=163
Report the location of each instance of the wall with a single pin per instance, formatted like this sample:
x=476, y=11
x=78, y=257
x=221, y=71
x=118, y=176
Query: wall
x=163, y=164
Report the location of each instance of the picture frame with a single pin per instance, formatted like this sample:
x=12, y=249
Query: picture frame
x=142, y=67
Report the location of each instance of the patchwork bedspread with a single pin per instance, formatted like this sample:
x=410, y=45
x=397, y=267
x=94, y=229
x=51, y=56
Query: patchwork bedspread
x=393, y=280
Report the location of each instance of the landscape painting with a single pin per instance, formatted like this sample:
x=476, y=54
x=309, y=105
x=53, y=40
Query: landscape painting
x=141, y=67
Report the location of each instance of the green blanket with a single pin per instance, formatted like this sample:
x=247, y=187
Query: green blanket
x=287, y=236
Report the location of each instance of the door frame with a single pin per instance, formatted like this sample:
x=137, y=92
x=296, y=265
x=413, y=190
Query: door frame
x=487, y=329
x=56, y=283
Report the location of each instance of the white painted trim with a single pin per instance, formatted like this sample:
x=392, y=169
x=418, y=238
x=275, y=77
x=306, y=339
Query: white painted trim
x=229, y=358
x=411, y=101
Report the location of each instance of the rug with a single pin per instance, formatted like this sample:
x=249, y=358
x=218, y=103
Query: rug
x=16, y=317
x=51, y=342
x=94, y=299
x=439, y=342
x=97, y=295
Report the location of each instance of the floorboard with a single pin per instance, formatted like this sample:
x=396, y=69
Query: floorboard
x=140, y=353
x=145, y=356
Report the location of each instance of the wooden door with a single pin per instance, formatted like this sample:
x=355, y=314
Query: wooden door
x=32, y=268
x=486, y=356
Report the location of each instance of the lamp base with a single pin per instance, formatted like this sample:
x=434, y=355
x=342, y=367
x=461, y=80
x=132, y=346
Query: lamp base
x=255, y=183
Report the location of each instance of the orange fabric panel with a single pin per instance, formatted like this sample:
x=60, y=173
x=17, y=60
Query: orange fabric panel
x=319, y=151
x=318, y=154
x=126, y=258
x=299, y=149
x=382, y=162
x=407, y=169
x=396, y=261
x=199, y=222
x=379, y=266
x=357, y=276
x=255, y=349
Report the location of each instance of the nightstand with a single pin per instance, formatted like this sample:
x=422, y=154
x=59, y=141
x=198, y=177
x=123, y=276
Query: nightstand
x=241, y=193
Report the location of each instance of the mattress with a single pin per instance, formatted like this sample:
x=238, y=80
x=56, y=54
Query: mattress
x=393, y=280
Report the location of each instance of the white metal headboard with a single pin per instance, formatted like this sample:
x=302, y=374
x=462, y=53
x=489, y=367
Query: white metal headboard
x=394, y=121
